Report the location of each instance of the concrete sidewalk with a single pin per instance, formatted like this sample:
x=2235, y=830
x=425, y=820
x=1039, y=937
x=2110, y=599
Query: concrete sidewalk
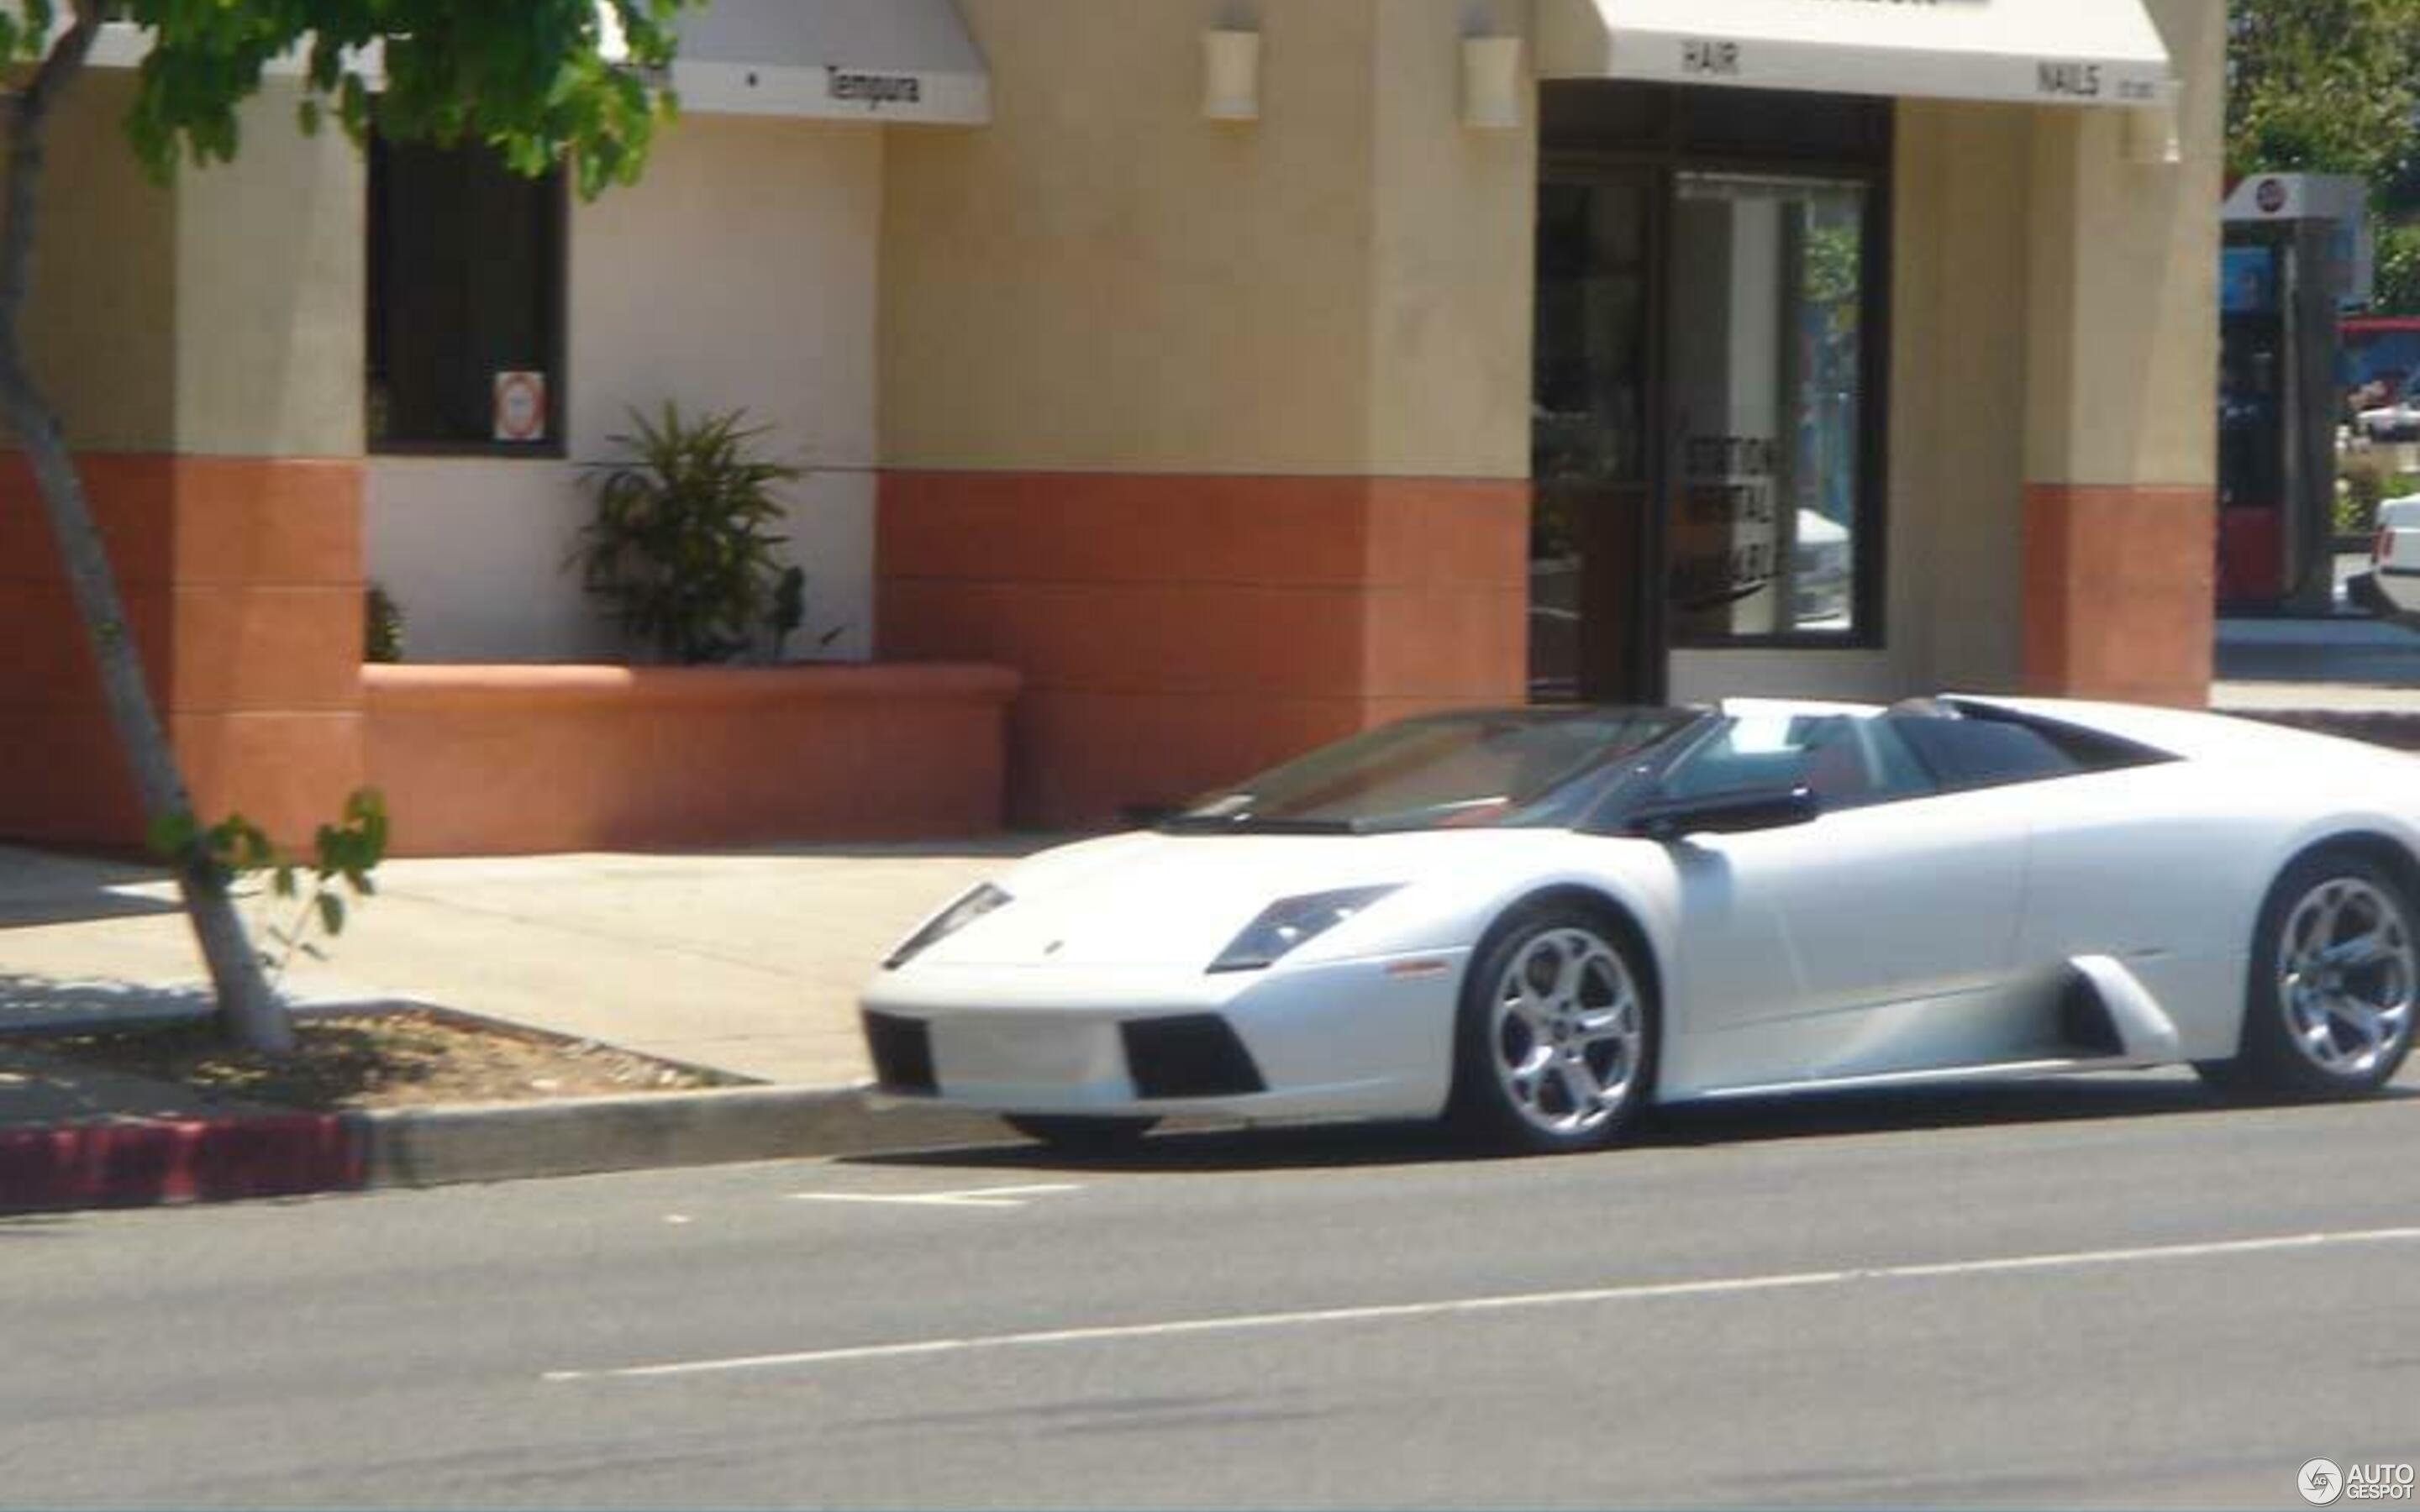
x=747, y=962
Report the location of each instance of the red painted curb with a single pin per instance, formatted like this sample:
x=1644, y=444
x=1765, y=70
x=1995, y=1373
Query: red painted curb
x=139, y=1164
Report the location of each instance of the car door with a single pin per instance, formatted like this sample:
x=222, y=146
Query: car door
x=1901, y=890
x=2138, y=866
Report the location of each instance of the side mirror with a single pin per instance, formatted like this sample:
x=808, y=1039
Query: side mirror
x=1737, y=812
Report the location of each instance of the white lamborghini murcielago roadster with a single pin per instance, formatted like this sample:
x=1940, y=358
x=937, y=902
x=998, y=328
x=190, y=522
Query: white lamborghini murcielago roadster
x=1537, y=921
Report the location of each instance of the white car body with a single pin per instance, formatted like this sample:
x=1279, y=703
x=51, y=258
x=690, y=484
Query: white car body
x=2396, y=421
x=1939, y=938
x=2395, y=555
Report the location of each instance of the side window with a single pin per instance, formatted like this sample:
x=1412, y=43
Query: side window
x=1849, y=761
x=1979, y=754
x=466, y=280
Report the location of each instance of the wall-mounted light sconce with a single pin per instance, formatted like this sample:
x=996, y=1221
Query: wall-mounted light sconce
x=1491, y=82
x=2154, y=134
x=1231, y=74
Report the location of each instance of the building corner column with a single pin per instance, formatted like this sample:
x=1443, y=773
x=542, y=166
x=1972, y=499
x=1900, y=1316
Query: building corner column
x=208, y=367
x=2120, y=530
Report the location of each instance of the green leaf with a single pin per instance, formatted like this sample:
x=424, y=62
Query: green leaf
x=526, y=77
x=331, y=912
x=170, y=837
x=682, y=544
x=2323, y=85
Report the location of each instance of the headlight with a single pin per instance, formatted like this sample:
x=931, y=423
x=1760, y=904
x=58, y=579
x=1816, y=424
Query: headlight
x=1290, y=922
x=982, y=900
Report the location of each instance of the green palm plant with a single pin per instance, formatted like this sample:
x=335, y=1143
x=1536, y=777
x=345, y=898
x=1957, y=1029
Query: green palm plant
x=682, y=543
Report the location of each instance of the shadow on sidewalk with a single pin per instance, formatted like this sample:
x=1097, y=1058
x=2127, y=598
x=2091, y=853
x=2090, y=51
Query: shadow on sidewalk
x=31, y=1007
x=40, y=887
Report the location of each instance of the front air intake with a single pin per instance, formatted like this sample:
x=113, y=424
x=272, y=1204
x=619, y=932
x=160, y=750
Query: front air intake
x=902, y=1050
x=1196, y=1054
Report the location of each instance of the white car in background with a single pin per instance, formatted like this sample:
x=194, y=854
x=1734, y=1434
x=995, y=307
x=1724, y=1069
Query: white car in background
x=1539, y=921
x=2398, y=421
x=2391, y=589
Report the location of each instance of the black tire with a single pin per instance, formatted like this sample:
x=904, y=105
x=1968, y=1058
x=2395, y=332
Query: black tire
x=2291, y=1047
x=1081, y=1133
x=1590, y=1080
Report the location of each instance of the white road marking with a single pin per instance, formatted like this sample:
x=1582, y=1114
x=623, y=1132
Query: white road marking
x=982, y=1196
x=1653, y=1291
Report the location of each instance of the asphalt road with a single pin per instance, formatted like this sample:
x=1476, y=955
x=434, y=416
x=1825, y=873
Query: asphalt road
x=2101, y=1293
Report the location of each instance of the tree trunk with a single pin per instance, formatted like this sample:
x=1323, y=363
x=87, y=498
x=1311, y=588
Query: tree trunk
x=247, y=1004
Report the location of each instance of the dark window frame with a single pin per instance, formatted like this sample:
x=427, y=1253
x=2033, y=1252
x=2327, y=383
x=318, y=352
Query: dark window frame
x=554, y=311
x=1862, y=150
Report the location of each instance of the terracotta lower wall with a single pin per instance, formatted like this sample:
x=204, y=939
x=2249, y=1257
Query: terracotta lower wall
x=2119, y=592
x=508, y=760
x=1179, y=631
x=242, y=580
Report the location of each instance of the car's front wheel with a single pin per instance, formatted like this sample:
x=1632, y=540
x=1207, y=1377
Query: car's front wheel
x=2334, y=976
x=1556, y=1040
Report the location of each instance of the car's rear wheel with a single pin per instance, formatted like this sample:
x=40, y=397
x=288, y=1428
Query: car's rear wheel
x=1556, y=1040
x=1081, y=1134
x=2334, y=978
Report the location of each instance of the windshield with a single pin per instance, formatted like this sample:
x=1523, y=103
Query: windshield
x=1474, y=770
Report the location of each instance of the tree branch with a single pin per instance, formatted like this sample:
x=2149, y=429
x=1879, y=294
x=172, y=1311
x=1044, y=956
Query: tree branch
x=245, y=999
x=26, y=150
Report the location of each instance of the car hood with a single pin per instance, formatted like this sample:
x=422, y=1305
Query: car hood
x=1157, y=900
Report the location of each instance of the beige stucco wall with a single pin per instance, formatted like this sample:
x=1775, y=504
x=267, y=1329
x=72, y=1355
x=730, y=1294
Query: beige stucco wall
x=268, y=347
x=1957, y=447
x=101, y=323
x=1103, y=279
x=1453, y=265
x=739, y=272
x=2124, y=283
x=219, y=314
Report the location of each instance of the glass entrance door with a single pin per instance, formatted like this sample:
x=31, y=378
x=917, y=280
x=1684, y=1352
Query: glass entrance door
x=1592, y=537
x=1702, y=422
x=1761, y=407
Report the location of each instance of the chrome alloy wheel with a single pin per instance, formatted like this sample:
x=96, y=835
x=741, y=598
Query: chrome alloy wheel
x=2347, y=974
x=1568, y=1032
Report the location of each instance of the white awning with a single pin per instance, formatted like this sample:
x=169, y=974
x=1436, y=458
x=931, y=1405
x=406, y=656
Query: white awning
x=904, y=60
x=2044, y=51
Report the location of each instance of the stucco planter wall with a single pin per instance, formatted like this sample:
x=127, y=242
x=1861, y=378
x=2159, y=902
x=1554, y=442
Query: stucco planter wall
x=502, y=760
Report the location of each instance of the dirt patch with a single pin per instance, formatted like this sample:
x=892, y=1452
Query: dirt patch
x=381, y=1060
